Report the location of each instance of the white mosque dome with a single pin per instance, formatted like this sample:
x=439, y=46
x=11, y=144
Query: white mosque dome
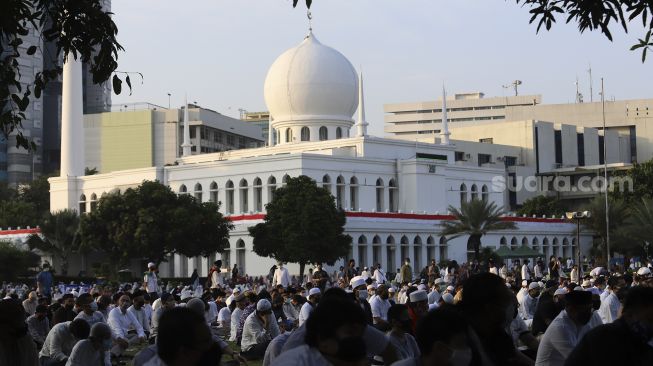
x=311, y=84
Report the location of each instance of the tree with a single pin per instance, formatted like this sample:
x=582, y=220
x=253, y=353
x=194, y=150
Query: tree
x=641, y=176
x=542, y=205
x=638, y=228
x=151, y=222
x=475, y=218
x=302, y=225
x=37, y=193
x=60, y=231
x=26, y=206
x=617, y=213
x=15, y=262
x=77, y=27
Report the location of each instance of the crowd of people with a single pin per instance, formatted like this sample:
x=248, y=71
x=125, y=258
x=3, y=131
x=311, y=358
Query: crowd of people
x=490, y=313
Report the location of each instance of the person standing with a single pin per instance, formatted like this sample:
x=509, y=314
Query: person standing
x=234, y=274
x=320, y=277
x=215, y=275
x=406, y=271
x=379, y=275
x=350, y=271
x=525, y=271
x=151, y=282
x=281, y=276
x=44, y=281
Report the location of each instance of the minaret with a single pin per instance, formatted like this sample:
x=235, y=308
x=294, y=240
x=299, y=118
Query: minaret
x=361, y=123
x=444, y=131
x=186, y=145
x=72, y=117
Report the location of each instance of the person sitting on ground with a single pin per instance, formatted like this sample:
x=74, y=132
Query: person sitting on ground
x=60, y=342
x=30, y=303
x=380, y=306
x=260, y=328
x=17, y=348
x=94, y=350
x=442, y=339
x=138, y=311
x=89, y=311
x=292, y=306
x=314, y=295
x=167, y=302
x=65, y=313
x=399, y=335
x=39, y=325
x=224, y=318
x=121, y=322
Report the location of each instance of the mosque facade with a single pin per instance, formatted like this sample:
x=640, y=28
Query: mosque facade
x=395, y=193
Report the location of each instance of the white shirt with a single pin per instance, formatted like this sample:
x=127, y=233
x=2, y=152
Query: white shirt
x=379, y=276
x=254, y=332
x=59, y=342
x=96, y=317
x=274, y=348
x=151, y=282
x=609, y=310
x=304, y=313
x=224, y=317
x=406, y=347
x=281, y=277
x=494, y=270
x=235, y=318
x=216, y=278
x=527, y=307
x=141, y=316
x=212, y=314
x=559, y=340
x=538, y=272
x=121, y=323
x=379, y=308
x=434, y=296
x=525, y=272
x=85, y=354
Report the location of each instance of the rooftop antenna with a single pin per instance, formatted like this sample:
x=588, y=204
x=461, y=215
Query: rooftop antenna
x=591, y=89
x=605, y=177
x=579, y=96
x=514, y=85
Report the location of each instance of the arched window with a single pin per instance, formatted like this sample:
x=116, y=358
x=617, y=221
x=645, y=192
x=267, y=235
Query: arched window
x=430, y=249
x=463, y=194
x=376, y=239
x=326, y=182
x=556, y=247
x=404, y=248
x=240, y=256
x=484, y=193
x=565, y=248
x=82, y=204
x=340, y=192
x=393, y=196
x=225, y=256
x=474, y=192
x=183, y=189
x=524, y=242
x=536, y=245
x=362, y=250
x=417, y=252
x=272, y=185
x=305, y=134
x=213, y=192
x=94, y=202
x=198, y=192
x=338, y=133
x=443, y=249
x=229, y=191
x=284, y=180
x=258, y=195
x=244, y=193
x=380, y=192
x=288, y=135
x=324, y=133
x=503, y=242
x=513, y=243
x=376, y=250
x=573, y=247
x=353, y=193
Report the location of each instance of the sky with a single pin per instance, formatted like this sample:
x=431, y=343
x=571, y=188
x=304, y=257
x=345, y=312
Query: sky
x=218, y=51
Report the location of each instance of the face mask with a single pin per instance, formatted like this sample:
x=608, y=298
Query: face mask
x=461, y=357
x=351, y=349
x=362, y=294
x=106, y=344
x=407, y=263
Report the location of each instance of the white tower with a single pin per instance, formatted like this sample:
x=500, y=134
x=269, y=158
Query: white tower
x=361, y=123
x=72, y=117
x=186, y=145
x=444, y=132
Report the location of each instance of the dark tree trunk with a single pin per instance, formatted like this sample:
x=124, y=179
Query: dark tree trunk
x=474, y=241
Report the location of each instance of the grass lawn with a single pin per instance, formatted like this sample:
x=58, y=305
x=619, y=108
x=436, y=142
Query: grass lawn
x=132, y=351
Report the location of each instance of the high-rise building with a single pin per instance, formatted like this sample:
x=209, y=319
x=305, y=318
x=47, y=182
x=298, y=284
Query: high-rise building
x=261, y=119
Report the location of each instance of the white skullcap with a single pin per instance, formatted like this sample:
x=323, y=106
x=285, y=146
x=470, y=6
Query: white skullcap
x=391, y=289
x=357, y=281
x=447, y=298
x=313, y=291
x=371, y=287
x=644, y=271
x=560, y=291
x=419, y=295
x=533, y=285
x=263, y=305
x=151, y=264
x=451, y=288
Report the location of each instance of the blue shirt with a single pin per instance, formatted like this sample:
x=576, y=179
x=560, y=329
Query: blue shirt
x=45, y=279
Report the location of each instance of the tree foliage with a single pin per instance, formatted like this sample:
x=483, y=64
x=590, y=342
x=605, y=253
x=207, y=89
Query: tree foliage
x=302, y=225
x=595, y=15
x=26, y=206
x=151, y=222
x=475, y=218
x=638, y=228
x=15, y=262
x=77, y=27
x=60, y=236
x=641, y=175
x=617, y=213
x=542, y=205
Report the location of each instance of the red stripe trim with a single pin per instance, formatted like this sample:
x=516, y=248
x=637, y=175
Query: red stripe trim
x=406, y=216
x=21, y=231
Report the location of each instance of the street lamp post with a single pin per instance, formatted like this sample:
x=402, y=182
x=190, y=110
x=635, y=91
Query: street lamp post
x=578, y=216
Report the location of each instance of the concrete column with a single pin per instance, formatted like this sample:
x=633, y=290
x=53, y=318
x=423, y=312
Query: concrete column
x=72, y=125
x=384, y=257
x=369, y=255
x=398, y=259
x=424, y=254
x=354, y=252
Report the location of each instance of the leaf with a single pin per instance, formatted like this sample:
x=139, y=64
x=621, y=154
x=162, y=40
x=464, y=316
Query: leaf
x=644, y=55
x=308, y=3
x=117, y=84
x=294, y=3
x=31, y=50
x=129, y=84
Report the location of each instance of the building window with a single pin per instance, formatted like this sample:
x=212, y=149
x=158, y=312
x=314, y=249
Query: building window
x=288, y=135
x=305, y=134
x=353, y=193
x=509, y=161
x=93, y=202
x=183, y=189
x=463, y=194
x=474, y=192
x=380, y=191
x=231, y=140
x=324, y=133
x=326, y=183
x=258, y=195
x=580, y=145
x=340, y=192
x=272, y=185
x=484, y=193
x=213, y=192
x=393, y=196
x=192, y=133
x=244, y=192
x=484, y=159
x=558, y=147
x=82, y=204
x=229, y=190
x=198, y=192
x=459, y=156
x=487, y=140
x=338, y=133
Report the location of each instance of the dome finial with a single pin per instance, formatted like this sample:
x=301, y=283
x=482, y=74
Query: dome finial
x=309, y=15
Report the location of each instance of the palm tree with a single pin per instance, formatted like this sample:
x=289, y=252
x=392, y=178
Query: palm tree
x=60, y=236
x=617, y=212
x=638, y=228
x=475, y=218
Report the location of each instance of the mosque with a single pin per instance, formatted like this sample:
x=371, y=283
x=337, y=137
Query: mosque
x=395, y=192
